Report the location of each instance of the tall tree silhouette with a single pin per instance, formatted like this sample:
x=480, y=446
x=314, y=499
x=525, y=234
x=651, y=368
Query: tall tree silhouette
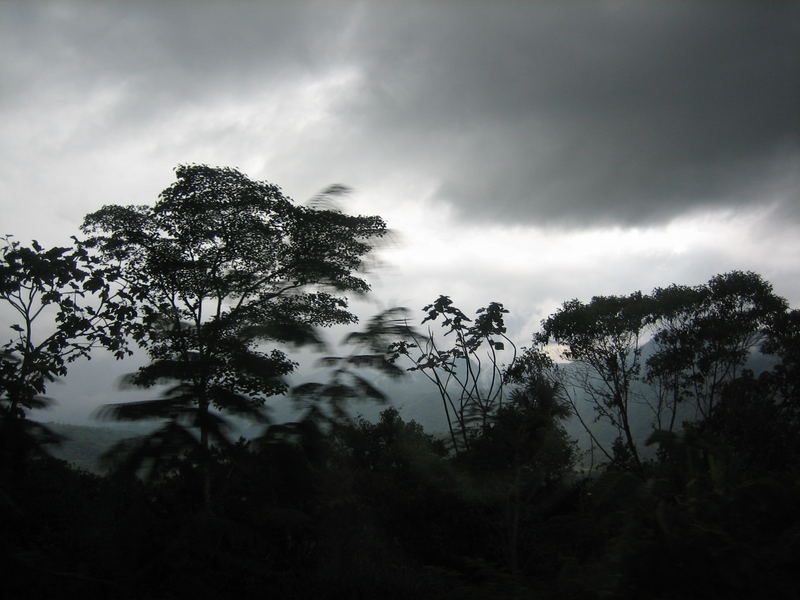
x=700, y=340
x=62, y=306
x=704, y=334
x=237, y=378
x=603, y=337
x=219, y=263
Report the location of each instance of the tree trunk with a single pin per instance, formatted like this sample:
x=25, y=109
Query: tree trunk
x=513, y=525
x=205, y=458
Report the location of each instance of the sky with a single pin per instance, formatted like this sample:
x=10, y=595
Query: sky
x=523, y=152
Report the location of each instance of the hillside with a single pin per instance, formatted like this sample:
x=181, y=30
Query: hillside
x=83, y=445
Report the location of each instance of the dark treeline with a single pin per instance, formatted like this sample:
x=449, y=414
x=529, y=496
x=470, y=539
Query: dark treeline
x=222, y=274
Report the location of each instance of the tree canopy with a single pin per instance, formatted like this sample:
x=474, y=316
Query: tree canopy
x=219, y=264
x=62, y=305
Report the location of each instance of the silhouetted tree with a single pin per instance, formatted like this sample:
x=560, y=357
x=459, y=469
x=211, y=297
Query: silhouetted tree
x=703, y=336
x=370, y=349
x=783, y=341
x=603, y=337
x=219, y=263
x=63, y=306
x=524, y=452
x=237, y=378
x=700, y=339
x=469, y=374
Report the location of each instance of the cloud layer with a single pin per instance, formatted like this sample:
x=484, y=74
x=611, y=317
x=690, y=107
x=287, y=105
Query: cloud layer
x=568, y=114
x=525, y=152
x=615, y=113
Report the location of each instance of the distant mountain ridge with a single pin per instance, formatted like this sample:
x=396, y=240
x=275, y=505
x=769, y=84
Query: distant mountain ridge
x=414, y=396
x=83, y=444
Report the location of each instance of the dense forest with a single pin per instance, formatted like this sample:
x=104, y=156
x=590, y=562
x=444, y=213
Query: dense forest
x=222, y=276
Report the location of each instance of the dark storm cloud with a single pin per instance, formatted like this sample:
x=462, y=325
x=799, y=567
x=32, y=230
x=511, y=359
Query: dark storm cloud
x=169, y=53
x=565, y=113
x=614, y=113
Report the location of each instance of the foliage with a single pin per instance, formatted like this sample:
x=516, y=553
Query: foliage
x=470, y=388
x=783, y=341
x=726, y=531
x=700, y=338
x=62, y=306
x=219, y=251
x=759, y=426
x=218, y=265
x=604, y=337
x=236, y=378
x=391, y=444
x=704, y=334
x=524, y=456
x=327, y=402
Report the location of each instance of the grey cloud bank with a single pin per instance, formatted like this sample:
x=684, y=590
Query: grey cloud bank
x=587, y=115
x=570, y=114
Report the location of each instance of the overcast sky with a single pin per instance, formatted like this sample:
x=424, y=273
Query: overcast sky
x=524, y=152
